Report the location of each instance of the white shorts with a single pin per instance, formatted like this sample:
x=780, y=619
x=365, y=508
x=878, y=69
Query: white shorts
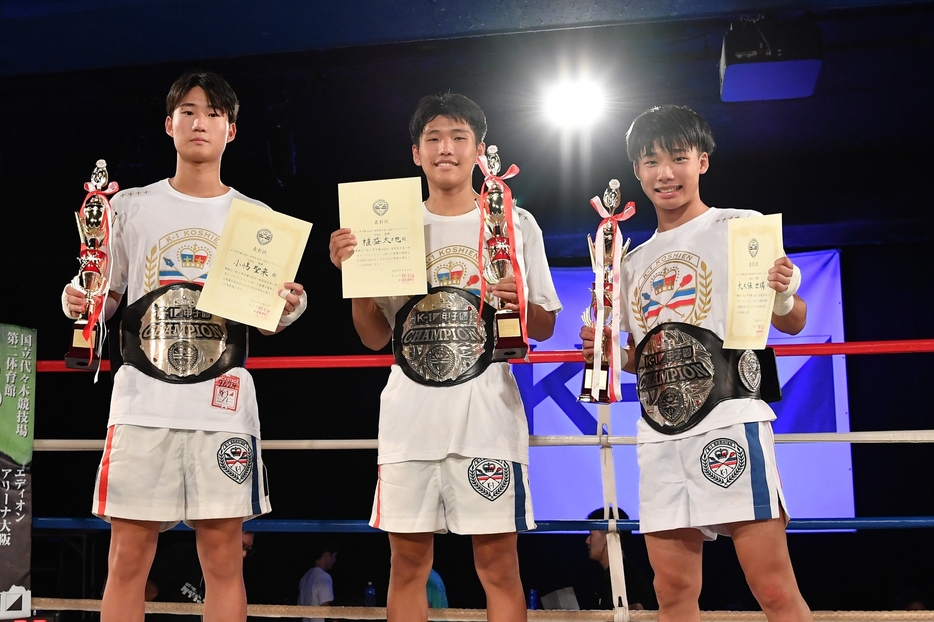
x=706, y=481
x=167, y=476
x=464, y=495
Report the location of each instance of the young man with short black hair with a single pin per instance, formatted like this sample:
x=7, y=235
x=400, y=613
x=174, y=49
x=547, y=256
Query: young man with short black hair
x=453, y=452
x=705, y=449
x=183, y=435
x=316, y=589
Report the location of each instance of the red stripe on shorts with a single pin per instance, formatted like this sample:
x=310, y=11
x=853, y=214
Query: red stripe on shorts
x=105, y=471
x=379, y=482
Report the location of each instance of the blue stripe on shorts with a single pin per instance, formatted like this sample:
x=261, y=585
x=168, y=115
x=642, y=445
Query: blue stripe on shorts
x=255, y=478
x=519, y=478
x=760, y=485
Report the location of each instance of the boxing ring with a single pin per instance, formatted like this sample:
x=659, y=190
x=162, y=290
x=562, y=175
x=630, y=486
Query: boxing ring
x=603, y=441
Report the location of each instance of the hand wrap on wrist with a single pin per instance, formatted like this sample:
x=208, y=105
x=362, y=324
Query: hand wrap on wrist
x=785, y=301
x=623, y=357
x=296, y=313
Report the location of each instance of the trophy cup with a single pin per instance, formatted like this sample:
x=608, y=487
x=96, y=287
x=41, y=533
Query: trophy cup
x=496, y=206
x=607, y=265
x=94, y=219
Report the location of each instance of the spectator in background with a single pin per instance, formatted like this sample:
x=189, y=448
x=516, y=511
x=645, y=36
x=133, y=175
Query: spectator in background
x=316, y=587
x=176, y=576
x=639, y=592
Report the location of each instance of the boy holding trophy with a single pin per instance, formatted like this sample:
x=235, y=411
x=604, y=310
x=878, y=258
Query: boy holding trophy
x=453, y=437
x=183, y=435
x=705, y=447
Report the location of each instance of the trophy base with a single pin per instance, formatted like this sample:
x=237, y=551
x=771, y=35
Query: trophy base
x=510, y=343
x=603, y=395
x=82, y=355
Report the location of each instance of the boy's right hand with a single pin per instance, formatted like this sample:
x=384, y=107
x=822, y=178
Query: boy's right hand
x=74, y=302
x=587, y=338
x=341, y=246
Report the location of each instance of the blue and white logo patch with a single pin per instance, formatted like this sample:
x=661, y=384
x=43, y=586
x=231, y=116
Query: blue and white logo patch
x=723, y=461
x=235, y=459
x=490, y=478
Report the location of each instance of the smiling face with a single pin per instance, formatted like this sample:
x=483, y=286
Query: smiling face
x=671, y=180
x=200, y=131
x=447, y=151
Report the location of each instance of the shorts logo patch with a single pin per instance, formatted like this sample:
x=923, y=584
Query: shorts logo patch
x=723, y=461
x=490, y=478
x=235, y=458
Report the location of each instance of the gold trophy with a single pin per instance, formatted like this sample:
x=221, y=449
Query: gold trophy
x=94, y=220
x=611, y=201
x=509, y=340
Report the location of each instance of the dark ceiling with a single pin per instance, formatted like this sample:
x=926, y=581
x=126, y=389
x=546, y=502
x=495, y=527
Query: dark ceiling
x=61, y=35
x=327, y=89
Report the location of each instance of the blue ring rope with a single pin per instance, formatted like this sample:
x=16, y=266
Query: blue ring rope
x=545, y=526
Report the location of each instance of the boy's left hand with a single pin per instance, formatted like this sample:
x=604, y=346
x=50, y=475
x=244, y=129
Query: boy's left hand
x=780, y=274
x=295, y=302
x=507, y=292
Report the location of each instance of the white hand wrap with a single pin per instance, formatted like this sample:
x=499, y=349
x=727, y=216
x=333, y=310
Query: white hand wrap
x=785, y=301
x=65, y=309
x=296, y=313
x=623, y=357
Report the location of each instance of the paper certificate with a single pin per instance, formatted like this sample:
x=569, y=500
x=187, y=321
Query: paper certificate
x=259, y=250
x=386, y=217
x=754, y=245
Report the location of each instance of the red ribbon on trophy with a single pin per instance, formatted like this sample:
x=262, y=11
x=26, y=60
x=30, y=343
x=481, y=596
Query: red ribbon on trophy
x=94, y=225
x=93, y=259
x=497, y=204
x=617, y=252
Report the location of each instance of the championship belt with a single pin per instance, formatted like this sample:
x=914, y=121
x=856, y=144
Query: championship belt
x=164, y=336
x=682, y=372
x=441, y=339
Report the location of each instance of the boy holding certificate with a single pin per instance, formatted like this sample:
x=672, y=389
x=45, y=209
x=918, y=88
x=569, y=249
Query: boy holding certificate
x=453, y=437
x=705, y=447
x=183, y=435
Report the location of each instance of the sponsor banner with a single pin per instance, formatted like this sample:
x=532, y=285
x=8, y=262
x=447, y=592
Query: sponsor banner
x=817, y=477
x=17, y=416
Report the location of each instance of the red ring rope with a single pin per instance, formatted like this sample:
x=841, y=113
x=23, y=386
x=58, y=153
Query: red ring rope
x=904, y=346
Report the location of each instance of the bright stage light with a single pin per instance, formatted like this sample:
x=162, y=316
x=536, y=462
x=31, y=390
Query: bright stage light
x=574, y=104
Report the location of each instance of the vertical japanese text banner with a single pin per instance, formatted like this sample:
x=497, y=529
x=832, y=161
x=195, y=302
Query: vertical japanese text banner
x=17, y=414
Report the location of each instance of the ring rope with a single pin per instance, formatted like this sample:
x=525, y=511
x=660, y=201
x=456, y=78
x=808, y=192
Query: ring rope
x=471, y=615
x=895, y=436
x=904, y=346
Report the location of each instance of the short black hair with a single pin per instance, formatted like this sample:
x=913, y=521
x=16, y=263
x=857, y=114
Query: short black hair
x=218, y=92
x=322, y=547
x=624, y=536
x=670, y=128
x=451, y=105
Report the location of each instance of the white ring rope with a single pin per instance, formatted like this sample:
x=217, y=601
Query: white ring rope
x=893, y=436
x=478, y=615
